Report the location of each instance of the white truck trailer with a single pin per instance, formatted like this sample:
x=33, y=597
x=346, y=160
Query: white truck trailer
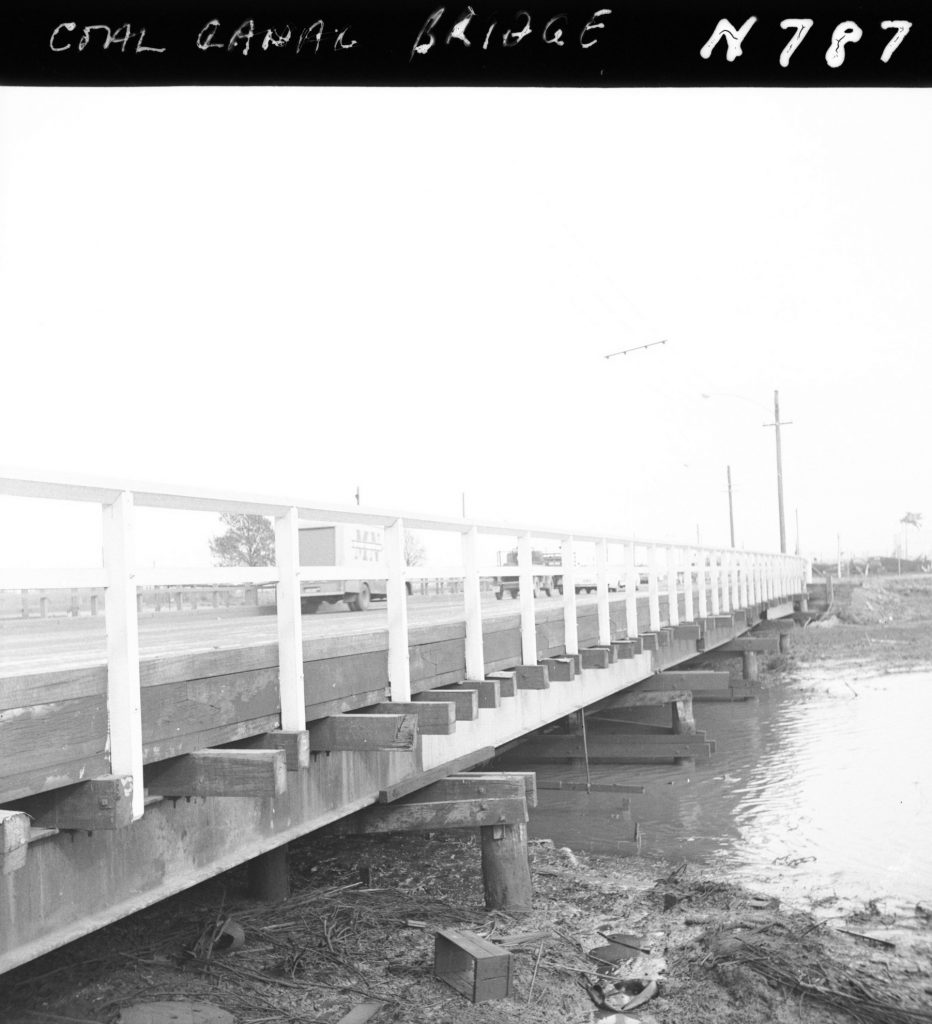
x=347, y=545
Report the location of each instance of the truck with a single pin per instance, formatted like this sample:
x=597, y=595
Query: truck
x=546, y=585
x=341, y=544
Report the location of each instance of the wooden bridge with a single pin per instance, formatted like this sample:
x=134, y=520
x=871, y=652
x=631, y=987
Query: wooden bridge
x=275, y=729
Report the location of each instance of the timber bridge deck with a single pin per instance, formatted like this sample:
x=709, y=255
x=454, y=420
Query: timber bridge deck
x=271, y=733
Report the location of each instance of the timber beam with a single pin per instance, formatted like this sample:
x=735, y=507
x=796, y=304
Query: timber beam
x=665, y=636
x=363, y=732
x=777, y=625
x=559, y=670
x=766, y=644
x=467, y=786
x=102, y=803
x=615, y=748
x=647, y=698
x=427, y=816
x=529, y=779
x=532, y=677
x=466, y=702
x=220, y=772
x=15, y=829
x=649, y=641
x=698, y=680
x=733, y=693
x=434, y=717
x=488, y=691
x=507, y=683
x=594, y=657
x=295, y=744
x=687, y=631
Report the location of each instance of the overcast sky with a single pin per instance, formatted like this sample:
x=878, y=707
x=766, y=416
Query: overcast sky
x=300, y=291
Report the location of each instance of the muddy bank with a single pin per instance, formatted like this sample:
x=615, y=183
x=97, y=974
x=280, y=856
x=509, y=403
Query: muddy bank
x=360, y=926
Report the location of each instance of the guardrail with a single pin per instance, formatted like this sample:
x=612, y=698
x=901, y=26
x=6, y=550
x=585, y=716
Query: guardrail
x=712, y=580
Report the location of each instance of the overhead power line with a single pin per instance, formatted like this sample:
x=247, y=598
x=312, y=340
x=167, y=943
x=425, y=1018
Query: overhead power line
x=625, y=351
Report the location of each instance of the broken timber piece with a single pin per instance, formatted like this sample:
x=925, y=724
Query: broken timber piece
x=428, y=816
x=594, y=657
x=560, y=670
x=434, y=718
x=465, y=702
x=475, y=967
x=506, y=682
x=488, y=691
x=14, y=840
x=532, y=677
x=363, y=732
x=295, y=744
x=221, y=772
x=103, y=803
x=740, y=644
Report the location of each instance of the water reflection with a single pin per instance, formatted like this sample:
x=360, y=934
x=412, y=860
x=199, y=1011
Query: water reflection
x=823, y=786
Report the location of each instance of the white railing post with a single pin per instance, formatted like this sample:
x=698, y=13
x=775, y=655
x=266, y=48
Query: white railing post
x=726, y=582
x=653, y=589
x=472, y=599
x=124, y=702
x=601, y=580
x=713, y=582
x=752, y=579
x=399, y=667
x=688, y=582
x=673, y=600
x=631, y=591
x=526, y=593
x=745, y=581
x=570, y=624
x=735, y=563
x=701, y=557
x=288, y=612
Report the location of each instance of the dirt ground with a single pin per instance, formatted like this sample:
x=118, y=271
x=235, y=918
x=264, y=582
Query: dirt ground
x=361, y=919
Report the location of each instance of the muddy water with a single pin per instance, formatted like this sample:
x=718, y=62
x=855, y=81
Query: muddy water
x=821, y=787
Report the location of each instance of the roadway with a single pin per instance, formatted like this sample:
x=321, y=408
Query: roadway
x=42, y=645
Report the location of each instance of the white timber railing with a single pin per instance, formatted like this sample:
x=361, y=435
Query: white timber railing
x=719, y=579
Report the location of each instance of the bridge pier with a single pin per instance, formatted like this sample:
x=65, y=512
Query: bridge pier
x=269, y=878
x=750, y=669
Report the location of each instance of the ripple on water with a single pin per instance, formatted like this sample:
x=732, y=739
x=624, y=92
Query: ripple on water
x=825, y=785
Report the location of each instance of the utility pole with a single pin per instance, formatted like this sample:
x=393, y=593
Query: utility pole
x=797, y=531
x=357, y=494
x=731, y=510
x=777, y=424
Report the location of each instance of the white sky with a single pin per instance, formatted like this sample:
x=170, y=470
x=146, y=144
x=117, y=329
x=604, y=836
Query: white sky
x=297, y=291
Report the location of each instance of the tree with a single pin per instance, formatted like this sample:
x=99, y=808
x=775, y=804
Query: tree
x=249, y=540
x=910, y=519
x=414, y=549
